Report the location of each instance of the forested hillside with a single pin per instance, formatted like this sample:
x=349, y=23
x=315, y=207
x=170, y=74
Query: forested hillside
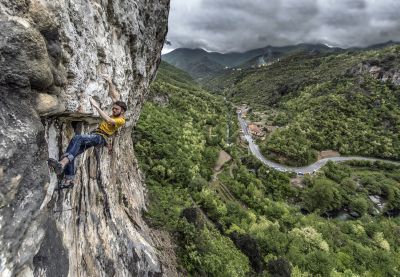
x=247, y=219
x=348, y=102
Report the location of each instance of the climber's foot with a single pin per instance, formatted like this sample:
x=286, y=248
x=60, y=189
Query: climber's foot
x=66, y=185
x=56, y=166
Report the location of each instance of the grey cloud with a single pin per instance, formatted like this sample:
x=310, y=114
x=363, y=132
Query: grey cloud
x=240, y=25
x=350, y=4
x=345, y=19
x=253, y=8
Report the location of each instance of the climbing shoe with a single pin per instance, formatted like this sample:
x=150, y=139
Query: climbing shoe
x=56, y=166
x=65, y=185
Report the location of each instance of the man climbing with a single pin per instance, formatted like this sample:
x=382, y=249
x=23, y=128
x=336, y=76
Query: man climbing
x=99, y=137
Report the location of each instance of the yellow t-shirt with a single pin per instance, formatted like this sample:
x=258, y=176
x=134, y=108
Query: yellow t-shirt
x=110, y=129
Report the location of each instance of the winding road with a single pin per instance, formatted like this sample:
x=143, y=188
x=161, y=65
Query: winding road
x=309, y=169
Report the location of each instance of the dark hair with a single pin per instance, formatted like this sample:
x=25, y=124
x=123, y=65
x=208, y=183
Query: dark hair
x=121, y=104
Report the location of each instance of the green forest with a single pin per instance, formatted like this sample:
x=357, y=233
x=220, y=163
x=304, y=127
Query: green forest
x=250, y=220
x=345, y=102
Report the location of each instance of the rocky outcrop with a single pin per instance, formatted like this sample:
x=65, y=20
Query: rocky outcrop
x=384, y=68
x=391, y=76
x=53, y=54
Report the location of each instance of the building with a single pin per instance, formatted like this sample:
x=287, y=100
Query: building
x=255, y=130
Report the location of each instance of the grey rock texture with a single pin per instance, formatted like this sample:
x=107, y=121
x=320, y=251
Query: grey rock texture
x=391, y=75
x=384, y=68
x=53, y=54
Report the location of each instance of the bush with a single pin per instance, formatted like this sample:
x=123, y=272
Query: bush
x=251, y=249
x=280, y=268
x=323, y=197
x=359, y=205
x=215, y=255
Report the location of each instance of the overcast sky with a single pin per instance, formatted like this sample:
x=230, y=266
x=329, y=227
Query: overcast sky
x=240, y=25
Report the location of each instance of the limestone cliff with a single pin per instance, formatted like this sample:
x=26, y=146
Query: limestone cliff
x=53, y=54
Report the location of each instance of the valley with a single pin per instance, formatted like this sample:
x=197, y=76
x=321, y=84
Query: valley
x=346, y=102
x=230, y=215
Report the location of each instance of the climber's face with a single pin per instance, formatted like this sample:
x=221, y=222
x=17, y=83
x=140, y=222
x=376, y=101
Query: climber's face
x=117, y=110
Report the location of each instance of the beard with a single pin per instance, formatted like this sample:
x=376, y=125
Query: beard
x=116, y=113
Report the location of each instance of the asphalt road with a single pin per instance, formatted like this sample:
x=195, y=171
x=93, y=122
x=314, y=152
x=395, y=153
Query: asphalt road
x=299, y=170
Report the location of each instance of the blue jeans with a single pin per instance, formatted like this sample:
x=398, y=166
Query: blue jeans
x=78, y=145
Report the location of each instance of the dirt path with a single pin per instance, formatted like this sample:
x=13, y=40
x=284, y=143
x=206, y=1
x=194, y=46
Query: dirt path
x=223, y=158
x=327, y=154
x=217, y=185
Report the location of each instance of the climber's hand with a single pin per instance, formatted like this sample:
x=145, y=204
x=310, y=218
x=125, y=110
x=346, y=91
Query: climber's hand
x=110, y=148
x=107, y=78
x=94, y=103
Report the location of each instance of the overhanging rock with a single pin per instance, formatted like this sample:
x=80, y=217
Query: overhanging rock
x=53, y=55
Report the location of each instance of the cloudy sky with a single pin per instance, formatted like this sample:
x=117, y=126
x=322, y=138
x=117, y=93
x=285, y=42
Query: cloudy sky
x=240, y=25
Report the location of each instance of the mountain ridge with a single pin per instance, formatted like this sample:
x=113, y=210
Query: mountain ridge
x=200, y=63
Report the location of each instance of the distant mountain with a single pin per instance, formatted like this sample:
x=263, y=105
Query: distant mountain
x=200, y=63
x=197, y=62
x=381, y=45
x=272, y=54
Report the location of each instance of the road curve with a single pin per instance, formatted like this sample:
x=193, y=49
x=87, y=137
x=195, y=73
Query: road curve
x=299, y=170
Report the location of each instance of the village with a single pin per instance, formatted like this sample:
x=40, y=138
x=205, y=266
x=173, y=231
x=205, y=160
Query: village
x=258, y=126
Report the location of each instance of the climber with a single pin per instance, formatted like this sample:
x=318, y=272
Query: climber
x=99, y=137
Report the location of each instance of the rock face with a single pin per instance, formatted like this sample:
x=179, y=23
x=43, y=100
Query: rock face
x=53, y=54
x=391, y=75
x=385, y=68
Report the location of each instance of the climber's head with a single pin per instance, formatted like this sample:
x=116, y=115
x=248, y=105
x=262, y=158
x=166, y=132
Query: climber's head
x=119, y=108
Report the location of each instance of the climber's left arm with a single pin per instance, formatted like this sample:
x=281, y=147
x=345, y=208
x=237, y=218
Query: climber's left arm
x=101, y=112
